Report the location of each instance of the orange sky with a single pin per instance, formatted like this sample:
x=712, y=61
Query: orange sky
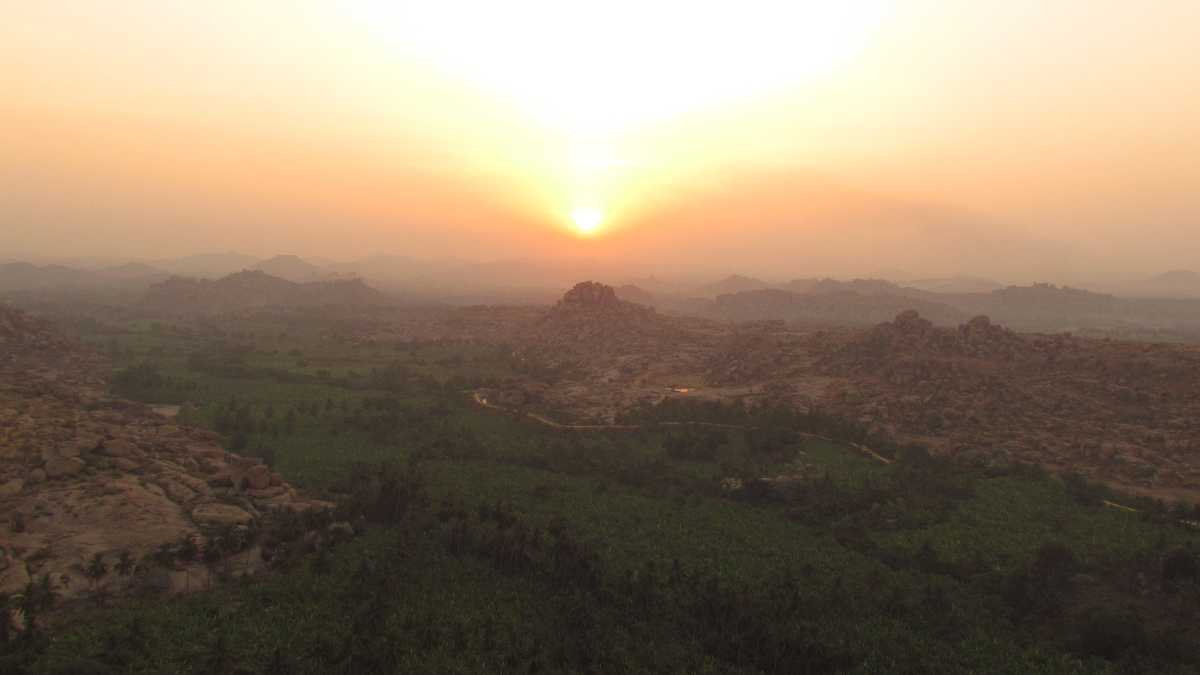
x=1008, y=138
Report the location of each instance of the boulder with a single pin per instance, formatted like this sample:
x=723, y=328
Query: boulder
x=64, y=467
x=82, y=443
x=12, y=487
x=36, y=476
x=340, y=531
x=258, y=477
x=116, y=447
x=211, y=452
x=176, y=491
x=126, y=465
x=220, y=515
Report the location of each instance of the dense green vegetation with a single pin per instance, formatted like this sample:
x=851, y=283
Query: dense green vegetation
x=488, y=543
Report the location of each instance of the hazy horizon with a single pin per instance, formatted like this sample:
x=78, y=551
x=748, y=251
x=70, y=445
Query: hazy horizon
x=1015, y=140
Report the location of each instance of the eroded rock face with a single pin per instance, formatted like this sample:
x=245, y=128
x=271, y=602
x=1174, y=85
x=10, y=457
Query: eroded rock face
x=220, y=515
x=82, y=473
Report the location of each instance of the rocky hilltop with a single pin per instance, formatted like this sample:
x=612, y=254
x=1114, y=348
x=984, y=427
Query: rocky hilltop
x=251, y=289
x=1124, y=411
x=619, y=344
x=82, y=473
x=591, y=315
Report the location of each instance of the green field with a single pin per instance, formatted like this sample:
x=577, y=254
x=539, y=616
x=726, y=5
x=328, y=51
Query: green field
x=518, y=548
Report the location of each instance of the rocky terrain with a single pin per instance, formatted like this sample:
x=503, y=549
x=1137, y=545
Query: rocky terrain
x=1121, y=411
x=1124, y=412
x=82, y=473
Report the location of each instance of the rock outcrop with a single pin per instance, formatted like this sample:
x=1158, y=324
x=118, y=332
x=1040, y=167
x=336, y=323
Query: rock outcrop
x=1124, y=412
x=82, y=473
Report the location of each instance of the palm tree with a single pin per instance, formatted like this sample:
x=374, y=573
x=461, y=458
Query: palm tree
x=213, y=553
x=186, y=554
x=46, y=592
x=6, y=619
x=279, y=664
x=125, y=564
x=28, y=604
x=95, y=569
x=219, y=659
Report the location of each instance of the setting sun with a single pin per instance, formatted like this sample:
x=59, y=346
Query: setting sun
x=587, y=220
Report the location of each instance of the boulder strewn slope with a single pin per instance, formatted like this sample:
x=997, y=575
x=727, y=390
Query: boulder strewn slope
x=82, y=473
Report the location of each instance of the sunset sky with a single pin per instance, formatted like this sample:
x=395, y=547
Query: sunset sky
x=1014, y=137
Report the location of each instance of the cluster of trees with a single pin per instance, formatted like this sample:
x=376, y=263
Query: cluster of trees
x=695, y=444
x=146, y=382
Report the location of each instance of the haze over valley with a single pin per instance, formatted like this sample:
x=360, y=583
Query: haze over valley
x=566, y=337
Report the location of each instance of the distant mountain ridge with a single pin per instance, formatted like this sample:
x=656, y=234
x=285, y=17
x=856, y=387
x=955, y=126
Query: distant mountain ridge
x=23, y=276
x=292, y=268
x=735, y=283
x=831, y=305
x=207, y=265
x=256, y=289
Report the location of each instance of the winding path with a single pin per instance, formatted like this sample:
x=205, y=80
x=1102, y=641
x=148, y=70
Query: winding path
x=482, y=401
x=546, y=421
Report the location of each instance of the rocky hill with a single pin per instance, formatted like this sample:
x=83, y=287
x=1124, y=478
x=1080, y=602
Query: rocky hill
x=83, y=473
x=619, y=345
x=591, y=319
x=1123, y=411
x=255, y=289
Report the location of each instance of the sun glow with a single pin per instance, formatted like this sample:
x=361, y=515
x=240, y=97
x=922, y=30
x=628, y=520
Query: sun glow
x=600, y=97
x=584, y=67
x=587, y=220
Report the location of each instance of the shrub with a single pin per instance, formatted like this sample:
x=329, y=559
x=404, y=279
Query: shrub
x=1110, y=633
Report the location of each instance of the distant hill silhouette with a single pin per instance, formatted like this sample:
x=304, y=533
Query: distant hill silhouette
x=957, y=284
x=830, y=306
x=292, y=268
x=252, y=289
x=636, y=294
x=1172, y=284
x=23, y=276
x=735, y=283
x=207, y=265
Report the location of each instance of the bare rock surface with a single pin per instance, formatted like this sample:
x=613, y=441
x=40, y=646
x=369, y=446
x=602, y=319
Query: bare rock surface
x=220, y=515
x=83, y=473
